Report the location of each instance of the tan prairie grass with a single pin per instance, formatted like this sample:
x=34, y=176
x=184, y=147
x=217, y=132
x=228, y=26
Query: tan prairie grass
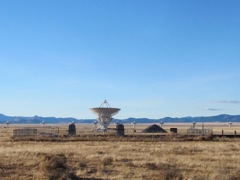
x=120, y=160
x=110, y=157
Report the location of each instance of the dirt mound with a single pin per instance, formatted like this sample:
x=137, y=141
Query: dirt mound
x=154, y=129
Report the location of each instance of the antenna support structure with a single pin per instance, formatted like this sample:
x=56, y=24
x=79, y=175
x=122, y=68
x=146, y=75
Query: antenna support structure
x=105, y=114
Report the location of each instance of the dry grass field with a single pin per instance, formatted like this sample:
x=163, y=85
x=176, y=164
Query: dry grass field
x=116, y=158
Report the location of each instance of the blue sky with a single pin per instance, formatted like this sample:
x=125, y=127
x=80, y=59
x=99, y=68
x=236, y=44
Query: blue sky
x=152, y=59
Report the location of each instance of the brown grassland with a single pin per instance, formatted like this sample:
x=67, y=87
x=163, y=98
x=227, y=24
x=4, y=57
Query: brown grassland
x=172, y=157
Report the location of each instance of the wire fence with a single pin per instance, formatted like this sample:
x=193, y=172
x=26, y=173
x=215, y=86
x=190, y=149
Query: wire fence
x=34, y=131
x=193, y=131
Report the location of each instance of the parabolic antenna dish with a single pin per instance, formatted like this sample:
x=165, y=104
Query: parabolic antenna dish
x=105, y=113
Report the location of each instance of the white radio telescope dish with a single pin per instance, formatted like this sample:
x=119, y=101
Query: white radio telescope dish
x=105, y=113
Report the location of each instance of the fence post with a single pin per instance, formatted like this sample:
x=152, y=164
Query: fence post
x=222, y=133
x=203, y=129
x=235, y=133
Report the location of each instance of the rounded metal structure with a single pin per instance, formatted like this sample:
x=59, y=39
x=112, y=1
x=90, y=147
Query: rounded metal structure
x=105, y=113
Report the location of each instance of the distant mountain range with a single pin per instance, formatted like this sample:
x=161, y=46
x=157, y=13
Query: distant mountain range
x=38, y=119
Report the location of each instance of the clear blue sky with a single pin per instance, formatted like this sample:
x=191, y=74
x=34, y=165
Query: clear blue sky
x=152, y=59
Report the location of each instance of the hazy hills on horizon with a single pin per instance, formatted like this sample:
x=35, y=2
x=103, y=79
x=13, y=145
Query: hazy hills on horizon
x=39, y=119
